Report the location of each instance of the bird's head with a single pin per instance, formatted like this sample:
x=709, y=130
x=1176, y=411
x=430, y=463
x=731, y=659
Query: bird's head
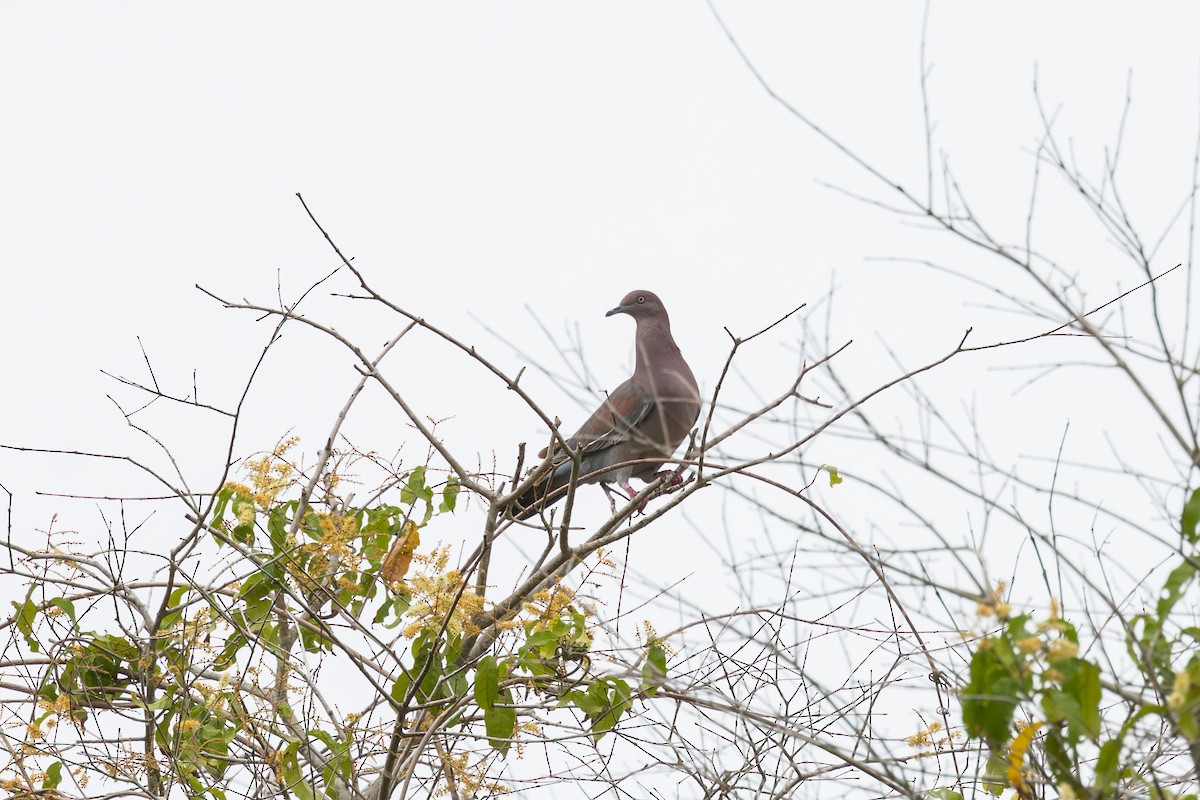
x=640, y=304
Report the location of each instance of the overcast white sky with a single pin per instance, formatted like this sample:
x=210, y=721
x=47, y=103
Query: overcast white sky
x=479, y=158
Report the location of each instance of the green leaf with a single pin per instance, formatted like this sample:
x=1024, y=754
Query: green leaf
x=1018, y=627
x=1083, y=683
x=457, y=683
x=1055, y=753
x=422, y=645
x=174, y=608
x=1060, y=706
x=1078, y=701
x=293, y=776
x=944, y=794
x=277, y=528
x=1149, y=649
x=53, y=776
x=537, y=666
x=1108, y=768
x=67, y=607
x=616, y=702
x=991, y=695
x=592, y=703
x=487, y=683
x=315, y=641
x=1174, y=588
x=834, y=478
x=382, y=613
x=103, y=660
x=381, y=525
x=604, y=702
x=414, y=488
x=571, y=698
x=1190, y=518
x=995, y=778
x=256, y=592
x=1189, y=727
x=400, y=687
x=164, y=702
x=453, y=648
x=1068, y=630
x=26, y=614
x=654, y=671
x=501, y=722
x=268, y=637
x=340, y=751
x=449, y=495
x=542, y=643
x=396, y=602
x=223, y=497
x=1108, y=764
x=233, y=644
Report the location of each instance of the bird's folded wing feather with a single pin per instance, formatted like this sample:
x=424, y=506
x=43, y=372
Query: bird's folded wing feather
x=613, y=422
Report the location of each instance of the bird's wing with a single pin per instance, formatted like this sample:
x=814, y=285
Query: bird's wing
x=613, y=421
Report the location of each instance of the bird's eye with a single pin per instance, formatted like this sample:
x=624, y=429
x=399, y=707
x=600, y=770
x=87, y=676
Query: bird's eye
x=641, y=298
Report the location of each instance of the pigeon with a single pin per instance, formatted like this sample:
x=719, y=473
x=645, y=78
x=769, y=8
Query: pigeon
x=643, y=420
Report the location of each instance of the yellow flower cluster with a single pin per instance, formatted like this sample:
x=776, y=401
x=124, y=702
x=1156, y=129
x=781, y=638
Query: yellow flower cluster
x=1047, y=642
x=548, y=604
x=934, y=739
x=1179, y=691
x=651, y=638
x=1053, y=621
x=466, y=779
x=1061, y=649
x=329, y=555
x=60, y=707
x=993, y=605
x=271, y=474
x=438, y=595
x=923, y=737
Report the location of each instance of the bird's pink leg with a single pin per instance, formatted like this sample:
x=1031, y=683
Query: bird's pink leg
x=632, y=494
x=629, y=490
x=669, y=473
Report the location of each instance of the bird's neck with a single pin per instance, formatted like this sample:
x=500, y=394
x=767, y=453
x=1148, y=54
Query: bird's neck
x=653, y=336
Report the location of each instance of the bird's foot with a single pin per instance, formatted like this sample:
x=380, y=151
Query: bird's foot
x=668, y=473
x=629, y=490
x=641, y=509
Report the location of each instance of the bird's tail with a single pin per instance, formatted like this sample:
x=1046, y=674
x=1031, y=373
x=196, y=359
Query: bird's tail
x=542, y=494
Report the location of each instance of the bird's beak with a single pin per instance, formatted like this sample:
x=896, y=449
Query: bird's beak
x=617, y=310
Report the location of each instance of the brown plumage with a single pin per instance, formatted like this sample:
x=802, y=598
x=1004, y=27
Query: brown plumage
x=646, y=417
